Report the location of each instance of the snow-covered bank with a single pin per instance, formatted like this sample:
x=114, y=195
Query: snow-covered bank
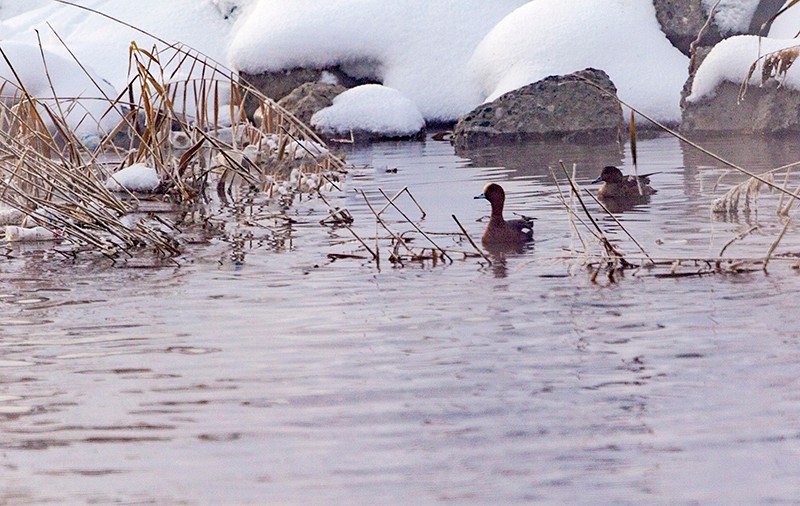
x=445, y=56
x=427, y=50
x=103, y=44
x=418, y=47
x=63, y=78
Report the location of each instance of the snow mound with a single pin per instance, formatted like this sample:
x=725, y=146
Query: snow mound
x=730, y=61
x=371, y=107
x=103, y=44
x=35, y=73
x=419, y=47
x=136, y=177
x=732, y=16
x=554, y=37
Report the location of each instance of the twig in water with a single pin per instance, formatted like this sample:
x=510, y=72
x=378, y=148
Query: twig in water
x=737, y=238
x=634, y=157
x=382, y=223
x=775, y=244
x=610, y=249
x=391, y=203
x=641, y=248
x=464, y=231
x=396, y=195
x=573, y=215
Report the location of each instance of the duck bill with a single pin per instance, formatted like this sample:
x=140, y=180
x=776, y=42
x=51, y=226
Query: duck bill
x=598, y=180
x=481, y=196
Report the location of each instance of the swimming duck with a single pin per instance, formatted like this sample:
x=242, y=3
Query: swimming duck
x=617, y=185
x=501, y=234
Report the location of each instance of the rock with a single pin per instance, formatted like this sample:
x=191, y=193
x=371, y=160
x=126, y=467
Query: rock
x=767, y=110
x=281, y=83
x=682, y=20
x=308, y=98
x=557, y=107
x=766, y=9
x=277, y=85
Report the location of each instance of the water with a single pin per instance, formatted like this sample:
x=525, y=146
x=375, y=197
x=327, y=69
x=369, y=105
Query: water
x=294, y=379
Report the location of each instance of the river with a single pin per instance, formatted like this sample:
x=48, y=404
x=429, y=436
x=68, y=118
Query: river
x=270, y=373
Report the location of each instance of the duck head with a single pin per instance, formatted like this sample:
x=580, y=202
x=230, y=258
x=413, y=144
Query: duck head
x=496, y=196
x=610, y=174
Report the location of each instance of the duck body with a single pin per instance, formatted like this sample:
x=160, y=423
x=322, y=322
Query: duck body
x=502, y=235
x=616, y=185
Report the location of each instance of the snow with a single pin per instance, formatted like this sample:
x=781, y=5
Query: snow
x=552, y=37
x=418, y=47
x=732, y=16
x=730, y=61
x=441, y=58
x=371, y=107
x=786, y=25
x=103, y=44
x=11, y=8
x=136, y=177
x=18, y=234
x=68, y=80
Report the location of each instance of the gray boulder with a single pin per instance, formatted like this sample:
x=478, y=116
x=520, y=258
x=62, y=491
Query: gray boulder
x=682, y=20
x=767, y=110
x=280, y=83
x=557, y=107
x=309, y=98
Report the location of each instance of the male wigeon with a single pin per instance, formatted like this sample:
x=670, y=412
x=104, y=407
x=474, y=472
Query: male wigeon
x=620, y=186
x=502, y=235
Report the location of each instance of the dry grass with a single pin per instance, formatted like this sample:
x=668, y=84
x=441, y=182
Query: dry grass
x=181, y=114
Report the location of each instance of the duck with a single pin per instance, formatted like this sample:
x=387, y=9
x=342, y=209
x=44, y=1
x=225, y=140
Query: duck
x=619, y=186
x=502, y=235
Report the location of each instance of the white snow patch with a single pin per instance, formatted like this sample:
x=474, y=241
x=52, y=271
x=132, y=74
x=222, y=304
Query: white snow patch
x=136, y=177
x=68, y=81
x=11, y=8
x=20, y=234
x=732, y=16
x=371, y=107
x=103, y=44
x=554, y=37
x=730, y=61
x=786, y=25
x=418, y=47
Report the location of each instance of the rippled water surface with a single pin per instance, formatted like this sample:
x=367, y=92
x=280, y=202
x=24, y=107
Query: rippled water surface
x=295, y=379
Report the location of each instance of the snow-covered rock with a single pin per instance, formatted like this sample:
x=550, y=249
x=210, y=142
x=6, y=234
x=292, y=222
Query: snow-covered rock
x=766, y=108
x=553, y=37
x=136, y=177
x=372, y=109
x=20, y=234
x=418, y=47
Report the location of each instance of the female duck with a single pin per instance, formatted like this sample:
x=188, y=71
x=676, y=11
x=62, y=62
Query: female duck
x=501, y=234
x=617, y=185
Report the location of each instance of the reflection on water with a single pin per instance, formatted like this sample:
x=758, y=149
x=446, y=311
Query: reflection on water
x=287, y=377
